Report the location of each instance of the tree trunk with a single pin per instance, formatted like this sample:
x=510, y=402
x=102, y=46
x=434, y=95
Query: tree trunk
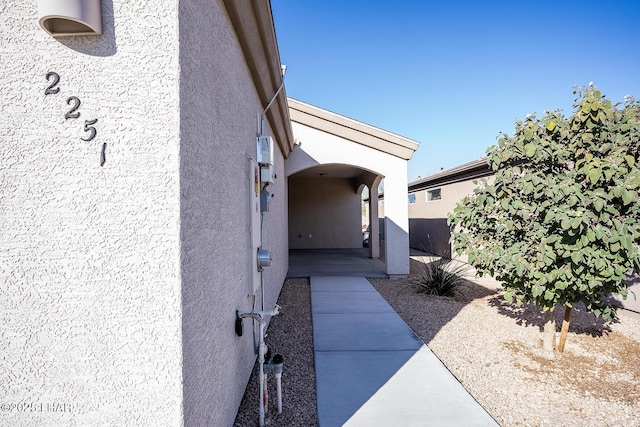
x=549, y=337
x=565, y=328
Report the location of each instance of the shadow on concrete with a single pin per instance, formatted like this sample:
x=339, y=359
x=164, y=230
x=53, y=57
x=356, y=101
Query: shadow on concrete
x=373, y=370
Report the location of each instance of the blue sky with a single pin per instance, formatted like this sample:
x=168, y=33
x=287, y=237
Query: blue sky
x=453, y=74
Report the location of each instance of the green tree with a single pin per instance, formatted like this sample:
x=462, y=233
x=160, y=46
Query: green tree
x=559, y=224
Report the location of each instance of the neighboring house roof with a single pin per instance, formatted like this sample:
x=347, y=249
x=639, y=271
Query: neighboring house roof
x=351, y=130
x=465, y=172
x=253, y=24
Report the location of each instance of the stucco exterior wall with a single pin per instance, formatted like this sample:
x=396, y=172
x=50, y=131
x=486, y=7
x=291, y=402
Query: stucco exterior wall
x=325, y=213
x=119, y=283
x=219, y=123
x=217, y=127
x=89, y=254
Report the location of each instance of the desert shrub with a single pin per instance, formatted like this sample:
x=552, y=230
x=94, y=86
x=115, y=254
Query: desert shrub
x=440, y=277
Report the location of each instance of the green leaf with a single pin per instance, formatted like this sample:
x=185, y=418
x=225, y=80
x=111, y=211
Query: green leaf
x=594, y=175
x=588, y=157
x=537, y=290
x=617, y=192
x=627, y=197
x=530, y=149
x=550, y=216
x=549, y=259
x=630, y=160
x=508, y=296
x=577, y=257
x=598, y=204
x=575, y=223
x=553, y=238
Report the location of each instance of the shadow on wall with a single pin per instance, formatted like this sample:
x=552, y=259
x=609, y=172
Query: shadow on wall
x=430, y=235
x=104, y=45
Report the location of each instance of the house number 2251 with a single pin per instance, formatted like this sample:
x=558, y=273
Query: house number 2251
x=73, y=112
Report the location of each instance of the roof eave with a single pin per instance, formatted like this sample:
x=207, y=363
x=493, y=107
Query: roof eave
x=351, y=130
x=254, y=26
x=467, y=171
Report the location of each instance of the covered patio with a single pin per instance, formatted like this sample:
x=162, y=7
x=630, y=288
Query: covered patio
x=333, y=161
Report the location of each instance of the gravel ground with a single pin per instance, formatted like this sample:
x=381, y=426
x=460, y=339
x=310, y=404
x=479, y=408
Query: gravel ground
x=491, y=346
x=290, y=334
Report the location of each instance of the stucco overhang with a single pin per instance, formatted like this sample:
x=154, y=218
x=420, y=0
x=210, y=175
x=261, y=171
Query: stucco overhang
x=252, y=21
x=351, y=130
x=471, y=170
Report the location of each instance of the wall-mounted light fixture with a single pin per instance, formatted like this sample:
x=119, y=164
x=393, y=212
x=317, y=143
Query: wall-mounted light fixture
x=63, y=18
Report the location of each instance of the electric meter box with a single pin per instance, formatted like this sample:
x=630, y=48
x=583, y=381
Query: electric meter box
x=264, y=258
x=265, y=150
x=267, y=173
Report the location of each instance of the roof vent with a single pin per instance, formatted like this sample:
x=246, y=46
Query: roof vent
x=64, y=18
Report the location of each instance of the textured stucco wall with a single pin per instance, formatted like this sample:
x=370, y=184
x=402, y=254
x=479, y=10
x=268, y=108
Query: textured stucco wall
x=89, y=255
x=218, y=127
x=396, y=222
x=324, y=213
x=119, y=283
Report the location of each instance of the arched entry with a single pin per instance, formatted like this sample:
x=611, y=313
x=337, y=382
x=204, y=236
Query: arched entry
x=325, y=207
x=371, y=204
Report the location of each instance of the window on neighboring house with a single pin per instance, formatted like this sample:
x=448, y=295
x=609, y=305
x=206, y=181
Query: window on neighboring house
x=412, y=198
x=435, y=194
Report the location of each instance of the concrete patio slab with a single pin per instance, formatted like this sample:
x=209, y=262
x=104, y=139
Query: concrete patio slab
x=334, y=262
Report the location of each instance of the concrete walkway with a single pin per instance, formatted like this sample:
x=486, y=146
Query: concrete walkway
x=372, y=370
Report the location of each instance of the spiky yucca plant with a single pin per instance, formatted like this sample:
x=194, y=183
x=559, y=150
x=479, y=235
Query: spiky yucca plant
x=440, y=277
